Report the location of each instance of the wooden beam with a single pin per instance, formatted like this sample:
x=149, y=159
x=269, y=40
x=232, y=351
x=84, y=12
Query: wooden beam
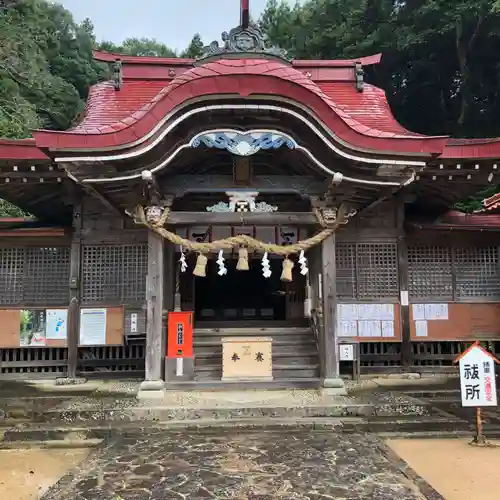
x=330, y=345
x=236, y=218
x=402, y=249
x=74, y=290
x=183, y=184
x=154, y=321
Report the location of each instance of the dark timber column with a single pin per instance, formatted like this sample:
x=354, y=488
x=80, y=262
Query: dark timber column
x=74, y=290
x=330, y=375
x=153, y=385
x=406, y=350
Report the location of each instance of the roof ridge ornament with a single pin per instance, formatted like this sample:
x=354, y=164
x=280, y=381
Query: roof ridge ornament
x=243, y=42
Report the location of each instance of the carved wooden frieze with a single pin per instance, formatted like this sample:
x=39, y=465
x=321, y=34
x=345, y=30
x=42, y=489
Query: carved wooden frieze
x=183, y=184
x=243, y=143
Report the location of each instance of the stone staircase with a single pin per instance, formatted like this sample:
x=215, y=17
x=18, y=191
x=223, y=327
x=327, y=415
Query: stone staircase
x=295, y=354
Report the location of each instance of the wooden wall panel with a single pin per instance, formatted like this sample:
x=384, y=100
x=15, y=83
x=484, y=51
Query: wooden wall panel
x=56, y=343
x=469, y=321
x=115, y=326
x=10, y=329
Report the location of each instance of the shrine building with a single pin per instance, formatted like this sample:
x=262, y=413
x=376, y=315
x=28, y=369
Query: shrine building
x=274, y=206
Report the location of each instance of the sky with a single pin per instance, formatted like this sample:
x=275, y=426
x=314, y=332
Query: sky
x=172, y=22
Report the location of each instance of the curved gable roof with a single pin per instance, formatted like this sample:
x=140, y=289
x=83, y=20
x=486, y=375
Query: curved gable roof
x=115, y=118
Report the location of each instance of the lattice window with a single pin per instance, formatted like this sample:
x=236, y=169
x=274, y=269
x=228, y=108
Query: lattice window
x=430, y=273
x=46, y=275
x=34, y=275
x=377, y=270
x=367, y=271
x=345, y=258
x=114, y=274
x=11, y=275
x=135, y=270
x=477, y=272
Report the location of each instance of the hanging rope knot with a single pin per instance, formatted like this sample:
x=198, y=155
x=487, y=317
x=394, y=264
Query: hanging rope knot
x=156, y=220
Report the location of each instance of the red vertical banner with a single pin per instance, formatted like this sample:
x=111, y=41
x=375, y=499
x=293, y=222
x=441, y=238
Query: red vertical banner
x=245, y=13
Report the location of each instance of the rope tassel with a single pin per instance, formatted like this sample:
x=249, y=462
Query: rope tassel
x=288, y=266
x=242, y=259
x=201, y=266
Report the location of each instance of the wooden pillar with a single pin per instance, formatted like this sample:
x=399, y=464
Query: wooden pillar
x=74, y=290
x=330, y=354
x=406, y=348
x=153, y=385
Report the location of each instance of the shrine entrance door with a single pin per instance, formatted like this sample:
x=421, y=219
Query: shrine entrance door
x=245, y=297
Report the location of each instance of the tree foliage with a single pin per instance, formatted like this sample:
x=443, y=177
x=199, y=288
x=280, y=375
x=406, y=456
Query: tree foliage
x=441, y=59
x=138, y=47
x=46, y=67
x=195, y=47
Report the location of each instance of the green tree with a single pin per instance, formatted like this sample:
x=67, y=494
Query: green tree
x=440, y=58
x=46, y=67
x=139, y=47
x=195, y=48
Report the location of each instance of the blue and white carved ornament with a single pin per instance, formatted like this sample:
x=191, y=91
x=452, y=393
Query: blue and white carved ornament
x=243, y=143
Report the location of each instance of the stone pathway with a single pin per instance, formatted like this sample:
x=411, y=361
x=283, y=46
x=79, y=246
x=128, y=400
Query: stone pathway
x=243, y=465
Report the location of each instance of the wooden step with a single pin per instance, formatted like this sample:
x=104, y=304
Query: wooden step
x=280, y=372
x=281, y=350
x=251, y=331
x=290, y=359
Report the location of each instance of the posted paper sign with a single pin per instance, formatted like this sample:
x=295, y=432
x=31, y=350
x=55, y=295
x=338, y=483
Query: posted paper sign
x=346, y=352
x=477, y=377
x=56, y=327
x=93, y=327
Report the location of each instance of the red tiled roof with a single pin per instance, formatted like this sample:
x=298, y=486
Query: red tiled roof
x=472, y=148
x=460, y=220
x=21, y=149
x=350, y=120
x=370, y=108
x=154, y=86
x=106, y=108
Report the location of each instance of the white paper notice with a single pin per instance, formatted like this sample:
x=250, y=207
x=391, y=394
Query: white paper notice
x=346, y=352
x=436, y=311
x=93, y=327
x=133, y=323
x=387, y=328
x=348, y=328
x=367, y=311
x=372, y=312
x=347, y=312
x=418, y=311
x=421, y=328
x=404, y=298
x=56, y=327
x=386, y=312
x=370, y=329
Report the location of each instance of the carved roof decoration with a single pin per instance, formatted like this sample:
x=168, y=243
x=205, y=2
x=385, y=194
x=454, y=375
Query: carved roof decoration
x=242, y=43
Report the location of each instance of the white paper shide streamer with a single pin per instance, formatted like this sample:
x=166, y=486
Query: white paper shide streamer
x=220, y=261
x=303, y=264
x=183, y=261
x=266, y=268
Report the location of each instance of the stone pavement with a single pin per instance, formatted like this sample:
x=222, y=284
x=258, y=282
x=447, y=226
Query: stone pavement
x=246, y=465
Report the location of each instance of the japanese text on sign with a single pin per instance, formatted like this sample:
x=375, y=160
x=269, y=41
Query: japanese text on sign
x=477, y=378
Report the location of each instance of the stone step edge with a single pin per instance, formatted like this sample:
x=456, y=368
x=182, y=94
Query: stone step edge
x=248, y=407
x=222, y=413
x=81, y=428
x=51, y=444
x=314, y=423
